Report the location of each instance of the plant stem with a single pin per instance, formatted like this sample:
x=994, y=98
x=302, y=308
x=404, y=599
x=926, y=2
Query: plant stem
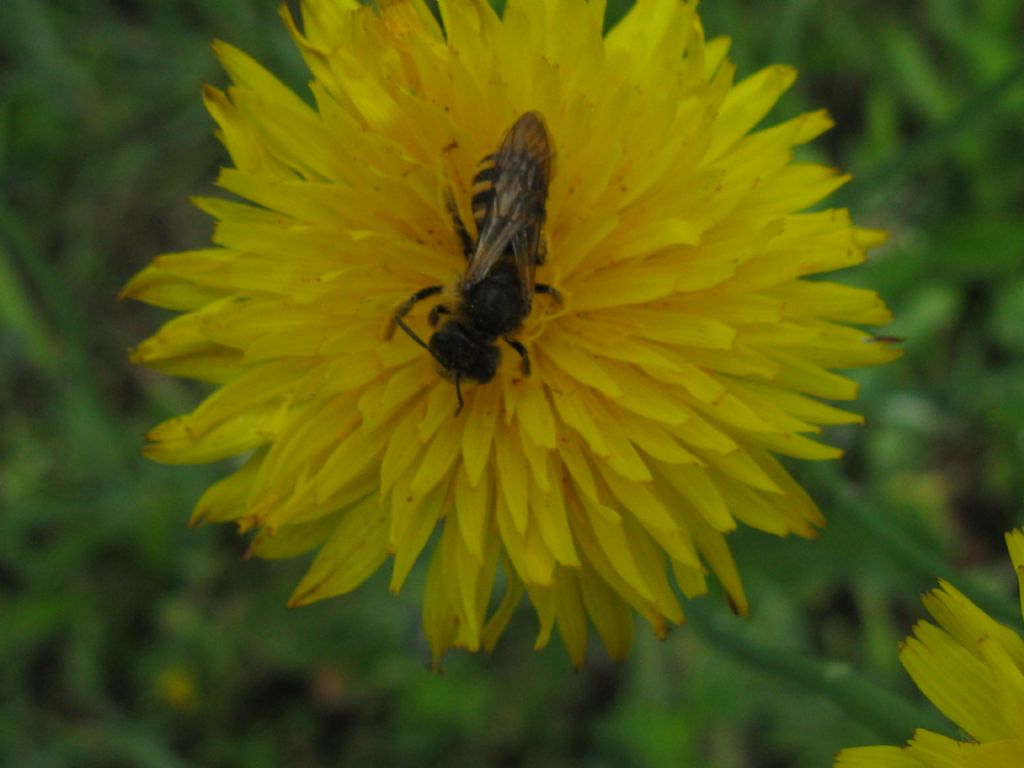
x=892, y=717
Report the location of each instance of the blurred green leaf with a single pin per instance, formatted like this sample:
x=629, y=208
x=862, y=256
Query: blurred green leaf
x=981, y=247
x=1008, y=316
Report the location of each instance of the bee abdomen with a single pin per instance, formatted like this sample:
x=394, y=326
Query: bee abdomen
x=483, y=190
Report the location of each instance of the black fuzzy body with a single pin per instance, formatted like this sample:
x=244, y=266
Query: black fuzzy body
x=465, y=345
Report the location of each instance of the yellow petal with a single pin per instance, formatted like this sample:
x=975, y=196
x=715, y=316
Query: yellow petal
x=355, y=550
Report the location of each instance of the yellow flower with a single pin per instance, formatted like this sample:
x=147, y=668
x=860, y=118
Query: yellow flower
x=687, y=350
x=176, y=687
x=972, y=669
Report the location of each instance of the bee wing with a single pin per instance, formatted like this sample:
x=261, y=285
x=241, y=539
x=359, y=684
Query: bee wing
x=510, y=205
x=526, y=248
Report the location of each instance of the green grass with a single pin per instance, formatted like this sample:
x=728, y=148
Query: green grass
x=105, y=596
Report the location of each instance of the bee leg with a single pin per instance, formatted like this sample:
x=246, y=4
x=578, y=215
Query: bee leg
x=436, y=313
x=550, y=290
x=523, y=354
x=460, y=227
x=458, y=394
x=404, y=309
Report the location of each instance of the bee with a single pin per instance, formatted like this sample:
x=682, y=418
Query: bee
x=495, y=293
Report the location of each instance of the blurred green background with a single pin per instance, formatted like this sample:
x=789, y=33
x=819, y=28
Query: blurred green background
x=128, y=640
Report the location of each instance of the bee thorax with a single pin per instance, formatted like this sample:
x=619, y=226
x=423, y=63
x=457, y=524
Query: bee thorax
x=495, y=306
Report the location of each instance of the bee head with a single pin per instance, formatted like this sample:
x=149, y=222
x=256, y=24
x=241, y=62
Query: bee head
x=461, y=355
